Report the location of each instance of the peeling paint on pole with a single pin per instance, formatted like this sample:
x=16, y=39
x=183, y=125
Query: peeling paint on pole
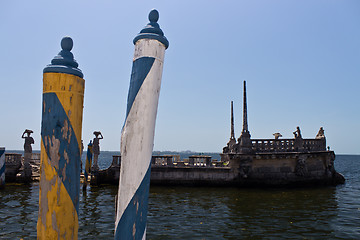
x=137, y=137
x=62, y=109
x=2, y=167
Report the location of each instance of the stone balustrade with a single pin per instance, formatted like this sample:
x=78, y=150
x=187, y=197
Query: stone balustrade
x=165, y=160
x=13, y=159
x=192, y=161
x=13, y=165
x=288, y=145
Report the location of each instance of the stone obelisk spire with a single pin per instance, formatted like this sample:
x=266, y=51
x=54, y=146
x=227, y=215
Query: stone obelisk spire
x=245, y=123
x=232, y=134
x=244, y=139
x=232, y=141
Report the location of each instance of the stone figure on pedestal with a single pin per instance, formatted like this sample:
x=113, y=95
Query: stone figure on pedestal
x=320, y=134
x=298, y=145
x=26, y=170
x=96, y=149
x=277, y=135
x=297, y=133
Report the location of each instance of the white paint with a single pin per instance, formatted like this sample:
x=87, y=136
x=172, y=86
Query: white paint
x=149, y=48
x=137, y=137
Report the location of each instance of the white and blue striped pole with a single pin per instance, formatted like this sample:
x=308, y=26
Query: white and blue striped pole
x=137, y=136
x=2, y=167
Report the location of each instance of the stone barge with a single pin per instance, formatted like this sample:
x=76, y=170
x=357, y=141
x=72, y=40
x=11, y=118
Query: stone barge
x=265, y=169
x=262, y=169
x=245, y=162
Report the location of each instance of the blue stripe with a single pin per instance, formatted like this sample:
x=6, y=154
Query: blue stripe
x=2, y=170
x=88, y=161
x=135, y=214
x=53, y=120
x=140, y=69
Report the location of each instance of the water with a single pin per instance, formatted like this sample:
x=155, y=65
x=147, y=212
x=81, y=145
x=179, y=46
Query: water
x=207, y=213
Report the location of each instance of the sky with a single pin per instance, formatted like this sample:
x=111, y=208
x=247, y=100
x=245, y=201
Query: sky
x=300, y=59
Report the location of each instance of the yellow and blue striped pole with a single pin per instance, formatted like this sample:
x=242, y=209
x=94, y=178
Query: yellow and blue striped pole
x=2, y=167
x=62, y=110
x=137, y=136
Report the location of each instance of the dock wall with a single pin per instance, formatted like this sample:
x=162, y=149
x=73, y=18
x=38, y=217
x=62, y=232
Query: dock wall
x=297, y=168
x=261, y=169
x=194, y=176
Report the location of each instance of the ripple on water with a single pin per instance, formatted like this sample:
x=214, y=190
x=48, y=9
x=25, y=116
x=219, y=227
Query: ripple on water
x=208, y=213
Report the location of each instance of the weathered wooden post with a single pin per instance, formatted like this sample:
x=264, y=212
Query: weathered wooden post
x=87, y=171
x=62, y=109
x=2, y=167
x=137, y=136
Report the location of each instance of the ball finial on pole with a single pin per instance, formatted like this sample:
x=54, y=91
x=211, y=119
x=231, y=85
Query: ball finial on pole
x=67, y=43
x=153, y=15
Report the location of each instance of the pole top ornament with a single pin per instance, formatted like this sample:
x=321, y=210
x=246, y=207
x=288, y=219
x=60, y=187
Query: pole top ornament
x=152, y=30
x=64, y=62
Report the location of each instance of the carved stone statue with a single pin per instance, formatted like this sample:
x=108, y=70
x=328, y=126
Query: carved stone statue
x=320, y=134
x=277, y=135
x=297, y=133
x=26, y=169
x=96, y=149
x=28, y=141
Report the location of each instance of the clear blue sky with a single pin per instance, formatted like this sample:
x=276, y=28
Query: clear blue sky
x=301, y=61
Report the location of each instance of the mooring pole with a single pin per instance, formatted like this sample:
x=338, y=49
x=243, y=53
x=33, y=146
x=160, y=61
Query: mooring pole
x=2, y=167
x=87, y=171
x=62, y=110
x=137, y=136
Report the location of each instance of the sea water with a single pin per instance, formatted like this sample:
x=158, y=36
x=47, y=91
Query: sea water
x=206, y=213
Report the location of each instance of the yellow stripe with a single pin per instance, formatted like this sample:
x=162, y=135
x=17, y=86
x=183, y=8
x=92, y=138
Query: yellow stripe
x=57, y=218
x=70, y=91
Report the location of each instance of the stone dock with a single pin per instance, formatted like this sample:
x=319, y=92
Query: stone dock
x=238, y=170
x=265, y=169
x=245, y=162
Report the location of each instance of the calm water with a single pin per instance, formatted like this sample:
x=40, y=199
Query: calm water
x=207, y=213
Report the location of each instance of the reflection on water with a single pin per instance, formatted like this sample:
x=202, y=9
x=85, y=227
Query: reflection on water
x=97, y=212
x=207, y=213
x=287, y=214
x=18, y=214
x=217, y=213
